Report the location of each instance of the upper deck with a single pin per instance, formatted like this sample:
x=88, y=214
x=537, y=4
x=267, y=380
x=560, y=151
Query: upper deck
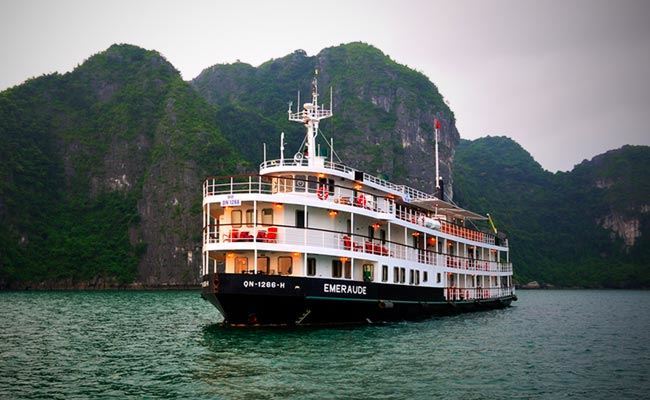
x=301, y=185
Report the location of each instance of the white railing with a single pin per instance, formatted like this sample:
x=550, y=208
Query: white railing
x=342, y=241
x=340, y=195
x=459, y=294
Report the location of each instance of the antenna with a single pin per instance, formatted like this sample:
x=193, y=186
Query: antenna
x=331, y=108
x=265, y=152
x=436, y=126
x=310, y=115
x=282, y=148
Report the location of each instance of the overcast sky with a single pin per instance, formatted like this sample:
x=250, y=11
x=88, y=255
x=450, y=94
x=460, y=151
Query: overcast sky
x=566, y=79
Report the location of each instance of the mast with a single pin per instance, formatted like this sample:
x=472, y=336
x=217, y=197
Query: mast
x=436, y=126
x=310, y=116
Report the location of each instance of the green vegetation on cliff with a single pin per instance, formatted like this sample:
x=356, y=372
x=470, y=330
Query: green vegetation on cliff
x=82, y=155
x=556, y=221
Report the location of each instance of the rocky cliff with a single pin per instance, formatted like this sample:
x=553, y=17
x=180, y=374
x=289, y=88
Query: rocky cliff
x=101, y=174
x=384, y=111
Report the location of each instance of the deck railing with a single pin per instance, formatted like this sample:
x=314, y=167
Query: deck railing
x=476, y=293
x=342, y=241
x=340, y=195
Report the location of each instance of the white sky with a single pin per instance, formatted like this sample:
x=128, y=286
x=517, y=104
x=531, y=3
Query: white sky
x=566, y=79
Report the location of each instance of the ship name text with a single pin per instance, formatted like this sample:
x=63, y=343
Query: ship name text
x=349, y=289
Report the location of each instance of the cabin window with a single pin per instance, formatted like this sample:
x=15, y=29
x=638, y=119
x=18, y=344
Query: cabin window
x=395, y=274
x=438, y=277
x=384, y=273
x=417, y=277
x=382, y=236
x=348, y=226
x=330, y=186
x=249, y=217
x=267, y=216
x=347, y=266
x=411, y=277
x=285, y=265
x=415, y=242
x=311, y=266
x=368, y=272
x=371, y=232
x=241, y=265
x=425, y=276
x=300, y=218
x=299, y=183
x=235, y=218
x=263, y=265
x=402, y=275
x=337, y=268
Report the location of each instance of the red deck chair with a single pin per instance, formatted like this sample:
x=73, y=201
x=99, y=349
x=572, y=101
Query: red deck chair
x=272, y=235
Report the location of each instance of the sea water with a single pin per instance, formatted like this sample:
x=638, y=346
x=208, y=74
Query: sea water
x=581, y=344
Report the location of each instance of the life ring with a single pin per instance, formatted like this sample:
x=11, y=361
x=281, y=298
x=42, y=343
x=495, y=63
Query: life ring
x=361, y=200
x=322, y=193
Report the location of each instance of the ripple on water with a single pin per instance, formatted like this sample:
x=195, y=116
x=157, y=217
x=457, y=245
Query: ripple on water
x=551, y=344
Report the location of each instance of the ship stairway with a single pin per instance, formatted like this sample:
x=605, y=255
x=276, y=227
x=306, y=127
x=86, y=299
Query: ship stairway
x=303, y=316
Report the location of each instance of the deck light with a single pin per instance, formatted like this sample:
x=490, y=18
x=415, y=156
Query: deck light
x=358, y=186
x=278, y=205
x=333, y=213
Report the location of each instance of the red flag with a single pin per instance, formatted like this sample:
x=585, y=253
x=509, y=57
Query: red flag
x=436, y=123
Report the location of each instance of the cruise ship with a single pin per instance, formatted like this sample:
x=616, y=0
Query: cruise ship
x=310, y=241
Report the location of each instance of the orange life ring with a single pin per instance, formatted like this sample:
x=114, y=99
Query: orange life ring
x=322, y=193
x=361, y=200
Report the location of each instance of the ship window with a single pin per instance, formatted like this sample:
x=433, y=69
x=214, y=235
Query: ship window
x=382, y=236
x=286, y=184
x=311, y=266
x=337, y=268
x=235, y=218
x=425, y=276
x=300, y=218
x=395, y=274
x=371, y=232
x=249, y=217
x=368, y=272
x=411, y=277
x=267, y=216
x=438, y=277
x=417, y=277
x=299, y=183
x=263, y=265
x=348, y=269
x=312, y=184
x=330, y=183
x=402, y=275
x=384, y=273
x=348, y=226
x=241, y=265
x=285, y=265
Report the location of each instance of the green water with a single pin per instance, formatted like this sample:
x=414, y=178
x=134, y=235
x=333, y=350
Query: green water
x=550, y=344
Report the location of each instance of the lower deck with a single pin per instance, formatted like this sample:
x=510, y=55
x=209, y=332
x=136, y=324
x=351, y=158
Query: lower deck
x=250, y=299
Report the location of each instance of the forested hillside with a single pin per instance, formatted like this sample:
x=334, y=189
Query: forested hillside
x=587, y=227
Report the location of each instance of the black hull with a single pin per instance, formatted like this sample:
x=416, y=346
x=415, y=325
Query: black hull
x=282, y=300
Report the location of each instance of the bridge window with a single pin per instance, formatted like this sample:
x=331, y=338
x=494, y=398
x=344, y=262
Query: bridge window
x=300, y=183
x=285, y=265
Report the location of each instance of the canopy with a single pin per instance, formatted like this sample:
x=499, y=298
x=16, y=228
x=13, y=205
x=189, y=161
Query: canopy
x=443, y=207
